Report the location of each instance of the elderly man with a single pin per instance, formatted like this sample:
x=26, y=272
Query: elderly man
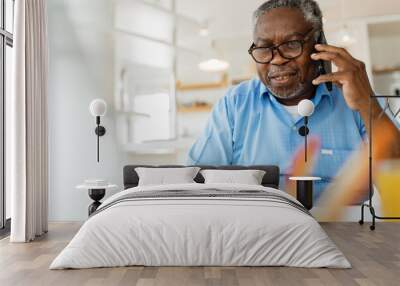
x=256, y=122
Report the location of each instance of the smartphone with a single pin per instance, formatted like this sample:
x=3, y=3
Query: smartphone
x=324, y=67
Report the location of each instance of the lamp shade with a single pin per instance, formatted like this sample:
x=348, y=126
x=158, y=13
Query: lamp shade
x=305, y=107
x=98, y=107
x=345, y=38
x=213, y=65
x=213, y=60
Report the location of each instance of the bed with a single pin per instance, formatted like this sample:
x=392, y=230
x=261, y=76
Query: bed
x=198, y=224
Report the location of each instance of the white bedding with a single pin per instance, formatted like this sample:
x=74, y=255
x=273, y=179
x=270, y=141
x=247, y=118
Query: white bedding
x=200, y=231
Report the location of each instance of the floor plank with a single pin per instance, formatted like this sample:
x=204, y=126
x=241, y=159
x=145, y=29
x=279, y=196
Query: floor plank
x=375, y=257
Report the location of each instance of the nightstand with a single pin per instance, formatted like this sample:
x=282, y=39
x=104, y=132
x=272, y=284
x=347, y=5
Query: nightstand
x=96, y=193
x=304, y=190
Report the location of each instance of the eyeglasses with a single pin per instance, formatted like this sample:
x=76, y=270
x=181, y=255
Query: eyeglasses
x=288, y=50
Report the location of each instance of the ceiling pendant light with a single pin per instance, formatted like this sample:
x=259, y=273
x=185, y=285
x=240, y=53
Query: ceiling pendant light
x=345, y=37
x=204, y=30
x=213, y=63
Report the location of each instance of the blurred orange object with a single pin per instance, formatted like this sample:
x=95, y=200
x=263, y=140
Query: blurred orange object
x=388, y=185
x=352, y=181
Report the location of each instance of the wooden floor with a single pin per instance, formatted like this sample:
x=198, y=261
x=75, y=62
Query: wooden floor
x=375, y=257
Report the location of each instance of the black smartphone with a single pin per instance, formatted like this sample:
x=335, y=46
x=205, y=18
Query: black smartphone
x=324, y=67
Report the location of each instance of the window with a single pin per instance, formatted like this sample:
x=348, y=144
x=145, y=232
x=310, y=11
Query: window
x=6, y=44
x=145, y=55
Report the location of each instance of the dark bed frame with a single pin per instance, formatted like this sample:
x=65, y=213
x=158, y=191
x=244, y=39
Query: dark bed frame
x=270, y=179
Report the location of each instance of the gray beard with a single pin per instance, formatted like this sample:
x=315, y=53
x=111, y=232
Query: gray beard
x=289, y=93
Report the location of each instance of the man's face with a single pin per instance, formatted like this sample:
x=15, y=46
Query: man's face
x=286, y=79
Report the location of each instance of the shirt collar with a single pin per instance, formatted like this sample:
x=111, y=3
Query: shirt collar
x=263, y=89
x=321, y=92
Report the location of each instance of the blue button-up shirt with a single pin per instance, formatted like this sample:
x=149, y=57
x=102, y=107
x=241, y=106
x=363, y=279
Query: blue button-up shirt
x=248, y=126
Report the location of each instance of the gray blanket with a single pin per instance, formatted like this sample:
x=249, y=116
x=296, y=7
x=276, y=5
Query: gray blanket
x=204, y=194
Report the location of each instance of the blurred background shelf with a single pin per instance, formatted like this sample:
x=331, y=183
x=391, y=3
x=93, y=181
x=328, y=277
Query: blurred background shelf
x=385, y=70
x=195, y=108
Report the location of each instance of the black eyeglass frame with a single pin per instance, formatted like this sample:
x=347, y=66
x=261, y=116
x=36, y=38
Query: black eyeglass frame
x=276, y=47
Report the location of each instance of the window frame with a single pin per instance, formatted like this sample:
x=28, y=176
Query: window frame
x=6, y=39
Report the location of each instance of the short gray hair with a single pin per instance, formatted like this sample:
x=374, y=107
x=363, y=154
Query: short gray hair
x=310, y=9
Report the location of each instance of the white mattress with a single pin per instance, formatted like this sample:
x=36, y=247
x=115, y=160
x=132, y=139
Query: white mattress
x=200, y=231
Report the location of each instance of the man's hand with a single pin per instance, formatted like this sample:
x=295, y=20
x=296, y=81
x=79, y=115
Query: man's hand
x=351, y=75
x=353, y=79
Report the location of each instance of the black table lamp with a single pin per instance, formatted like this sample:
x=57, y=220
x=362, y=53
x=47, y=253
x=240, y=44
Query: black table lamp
x=98, y=108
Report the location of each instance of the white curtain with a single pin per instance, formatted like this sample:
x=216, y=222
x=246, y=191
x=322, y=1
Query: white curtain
x=26, y=119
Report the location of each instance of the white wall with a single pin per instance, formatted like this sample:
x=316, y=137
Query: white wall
x=81, y=69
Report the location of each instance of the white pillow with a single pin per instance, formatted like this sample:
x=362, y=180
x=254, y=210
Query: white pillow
x=248, y=177
x=163, y=176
